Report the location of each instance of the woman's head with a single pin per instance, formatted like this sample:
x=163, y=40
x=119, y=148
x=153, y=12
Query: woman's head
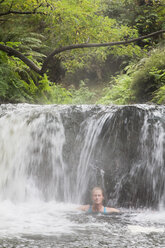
x=97, y=195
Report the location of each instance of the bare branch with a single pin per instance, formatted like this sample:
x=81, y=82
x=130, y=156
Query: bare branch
x=38, y=7
x=12, y=52
x=34, y=11
x=22, y=12
x=86, y=45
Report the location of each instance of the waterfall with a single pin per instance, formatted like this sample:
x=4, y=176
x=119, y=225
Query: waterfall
x=142, y=183
x=87, y=164
x=31, y=160
x=59, y=153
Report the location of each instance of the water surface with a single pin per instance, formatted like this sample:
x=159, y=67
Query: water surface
x=40, y=224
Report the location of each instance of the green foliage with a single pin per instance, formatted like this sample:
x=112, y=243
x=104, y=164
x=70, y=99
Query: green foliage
x=149, y=76
x=25, y=84
x=83, y=95
x=14, y=89
x=73, y=22
x=159, y=97
x=141, y=83
x=32, y=45
x=11, y=86
x=18, y=83
x=56, y=23
x=60, y=95
x=53, y=24
x=143, y=15
x=119, y=91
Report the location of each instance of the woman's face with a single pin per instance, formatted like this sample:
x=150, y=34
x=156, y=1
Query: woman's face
x=97, y=196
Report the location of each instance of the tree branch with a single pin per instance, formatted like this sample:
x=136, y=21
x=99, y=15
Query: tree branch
x=22, y=13
x=12, y=52
x=86, y=45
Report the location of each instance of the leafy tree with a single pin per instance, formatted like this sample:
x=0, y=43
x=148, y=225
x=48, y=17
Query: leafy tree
x=67, y=23
x=32, y=30
x=147, y=16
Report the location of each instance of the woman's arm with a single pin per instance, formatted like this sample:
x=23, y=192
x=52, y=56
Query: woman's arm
x=83, y=207
x=112, y=210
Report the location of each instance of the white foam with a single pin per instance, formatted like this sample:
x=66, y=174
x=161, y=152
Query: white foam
x=157, y=217
x=34, y=218
x=141, y=229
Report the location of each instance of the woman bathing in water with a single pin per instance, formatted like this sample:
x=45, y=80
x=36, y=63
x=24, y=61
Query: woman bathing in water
x=97, y=203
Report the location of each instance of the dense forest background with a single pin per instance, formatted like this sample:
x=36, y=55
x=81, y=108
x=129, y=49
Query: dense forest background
x=121, y=74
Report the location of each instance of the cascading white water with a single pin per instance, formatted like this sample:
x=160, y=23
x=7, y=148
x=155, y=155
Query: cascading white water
x=91, y=128
x=31, y=161
x=14, y=141
x=31, y=158
x=148, y=169
x=154, y=158
x=39, y=159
